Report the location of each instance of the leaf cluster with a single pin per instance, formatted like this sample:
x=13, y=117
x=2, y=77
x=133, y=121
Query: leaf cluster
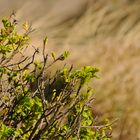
x=37, y=106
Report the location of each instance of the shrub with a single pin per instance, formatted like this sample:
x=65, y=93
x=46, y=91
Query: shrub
x=35, y=105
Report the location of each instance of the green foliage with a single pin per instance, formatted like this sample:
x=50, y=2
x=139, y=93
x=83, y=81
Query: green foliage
x=35, y=105
x=6, y=131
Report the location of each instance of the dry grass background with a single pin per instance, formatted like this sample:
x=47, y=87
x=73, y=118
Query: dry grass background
x=104, y=33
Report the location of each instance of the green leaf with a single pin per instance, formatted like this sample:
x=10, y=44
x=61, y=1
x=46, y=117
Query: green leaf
x=6, y=131
x=45, y=41
x=64, y=56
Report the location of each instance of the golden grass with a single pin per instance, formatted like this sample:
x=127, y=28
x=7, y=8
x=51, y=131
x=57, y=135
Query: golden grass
x=108, y=36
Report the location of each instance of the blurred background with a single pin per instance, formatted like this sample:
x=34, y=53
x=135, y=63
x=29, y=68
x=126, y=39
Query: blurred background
x=103, y=33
